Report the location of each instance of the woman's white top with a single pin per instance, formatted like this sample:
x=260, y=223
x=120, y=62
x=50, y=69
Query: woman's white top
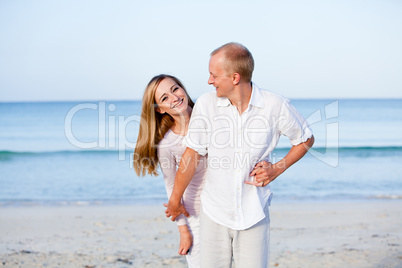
x=170, y=151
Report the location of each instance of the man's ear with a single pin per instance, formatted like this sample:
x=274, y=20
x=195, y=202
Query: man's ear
x=236, y=78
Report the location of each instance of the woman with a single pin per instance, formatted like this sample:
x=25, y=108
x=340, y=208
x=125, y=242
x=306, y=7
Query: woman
x=166, y=111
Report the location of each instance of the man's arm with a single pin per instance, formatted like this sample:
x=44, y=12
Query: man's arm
x=187, y=167
x=265, y=172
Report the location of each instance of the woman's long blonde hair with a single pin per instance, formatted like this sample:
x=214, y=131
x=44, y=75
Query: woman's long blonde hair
x=153, y=127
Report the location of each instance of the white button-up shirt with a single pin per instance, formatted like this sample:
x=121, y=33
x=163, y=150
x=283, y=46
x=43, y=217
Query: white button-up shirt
x=234, y=144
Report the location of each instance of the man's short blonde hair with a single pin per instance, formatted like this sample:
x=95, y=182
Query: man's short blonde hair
x=237, y=59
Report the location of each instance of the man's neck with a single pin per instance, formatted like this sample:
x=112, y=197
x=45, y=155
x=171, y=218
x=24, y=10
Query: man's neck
x=241, y=96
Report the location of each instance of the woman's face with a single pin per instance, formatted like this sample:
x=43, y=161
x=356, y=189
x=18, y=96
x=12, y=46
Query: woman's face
x=171, y=98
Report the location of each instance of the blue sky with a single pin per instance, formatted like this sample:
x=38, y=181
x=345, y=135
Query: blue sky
x=109, y=50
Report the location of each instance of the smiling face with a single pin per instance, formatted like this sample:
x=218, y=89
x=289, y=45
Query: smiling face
x=171, y=98
x=218, y=76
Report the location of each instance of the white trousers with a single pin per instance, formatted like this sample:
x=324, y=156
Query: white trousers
x=248, y=248
x=193, y=257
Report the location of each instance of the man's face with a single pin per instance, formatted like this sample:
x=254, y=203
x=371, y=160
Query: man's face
x=218, y=77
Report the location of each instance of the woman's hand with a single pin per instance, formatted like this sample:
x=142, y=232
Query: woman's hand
x=186, y=240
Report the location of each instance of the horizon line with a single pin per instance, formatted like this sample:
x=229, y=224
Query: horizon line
x=136, y=100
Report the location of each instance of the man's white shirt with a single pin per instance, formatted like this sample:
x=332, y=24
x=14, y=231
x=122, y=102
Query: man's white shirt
x=234, y=144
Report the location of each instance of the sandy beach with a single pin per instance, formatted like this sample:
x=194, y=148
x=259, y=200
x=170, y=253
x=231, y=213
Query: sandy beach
x=343, y=234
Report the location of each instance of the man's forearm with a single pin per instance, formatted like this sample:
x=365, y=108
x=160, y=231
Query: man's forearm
x=186, y=171
x=295, y=154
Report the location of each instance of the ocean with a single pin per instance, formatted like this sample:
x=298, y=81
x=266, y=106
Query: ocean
x=63, y=153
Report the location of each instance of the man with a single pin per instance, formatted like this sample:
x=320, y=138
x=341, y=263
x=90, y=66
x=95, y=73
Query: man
x=238, y=127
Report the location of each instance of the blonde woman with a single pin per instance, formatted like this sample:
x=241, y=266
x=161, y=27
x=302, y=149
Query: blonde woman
x=166, y=111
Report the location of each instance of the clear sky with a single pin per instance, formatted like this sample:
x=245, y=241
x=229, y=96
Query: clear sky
x=109, y=50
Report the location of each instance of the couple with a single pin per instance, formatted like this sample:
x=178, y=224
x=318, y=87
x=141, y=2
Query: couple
x=238, y=126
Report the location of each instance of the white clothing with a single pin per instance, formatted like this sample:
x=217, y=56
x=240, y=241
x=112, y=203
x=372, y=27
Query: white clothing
x=170, y=151
x=193, y=257
x=234, y=144
x=250, y=247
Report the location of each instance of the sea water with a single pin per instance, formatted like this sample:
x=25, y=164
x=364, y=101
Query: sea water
x=81, y=153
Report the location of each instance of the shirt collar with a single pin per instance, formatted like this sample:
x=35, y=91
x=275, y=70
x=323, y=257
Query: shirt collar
x=223, y=101
x=256, y=98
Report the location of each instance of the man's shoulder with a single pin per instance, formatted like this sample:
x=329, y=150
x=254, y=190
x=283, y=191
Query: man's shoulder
x=269, y=93
x=209, y=96
x=270, y=96
x=206, y=100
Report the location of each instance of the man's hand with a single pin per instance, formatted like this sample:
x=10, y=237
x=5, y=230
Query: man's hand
x=174, y=209
x=264, y=172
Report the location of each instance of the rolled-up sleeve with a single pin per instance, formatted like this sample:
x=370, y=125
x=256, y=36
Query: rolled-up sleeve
x=292, y=124
x=199, y=128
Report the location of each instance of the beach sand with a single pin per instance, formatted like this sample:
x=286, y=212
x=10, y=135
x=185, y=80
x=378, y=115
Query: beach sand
x=343, y=234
